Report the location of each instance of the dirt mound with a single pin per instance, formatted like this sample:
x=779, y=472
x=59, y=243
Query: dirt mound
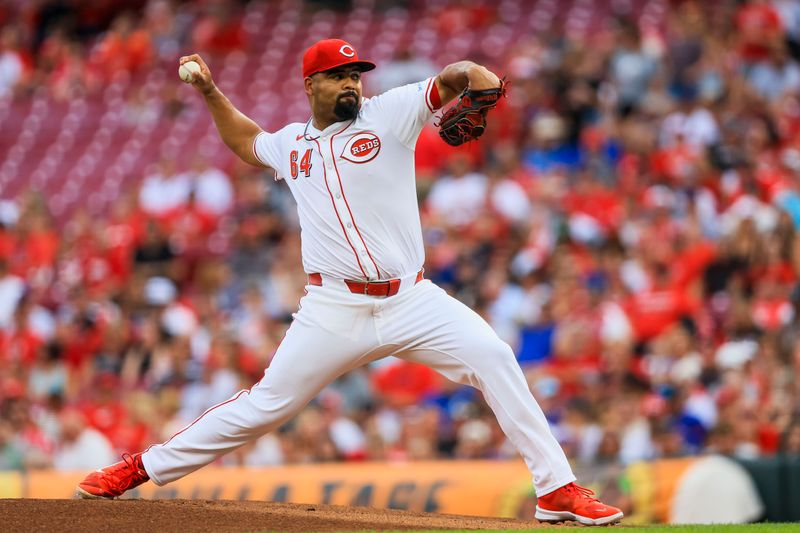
x=151, y=516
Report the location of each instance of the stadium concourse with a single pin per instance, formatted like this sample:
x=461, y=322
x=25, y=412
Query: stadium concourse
x=628, y=224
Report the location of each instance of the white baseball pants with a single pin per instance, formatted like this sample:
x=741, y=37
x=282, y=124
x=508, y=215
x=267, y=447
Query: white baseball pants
x=336, y=331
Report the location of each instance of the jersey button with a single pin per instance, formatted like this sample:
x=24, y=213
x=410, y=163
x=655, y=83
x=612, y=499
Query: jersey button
x=338, y=195
x=349, y=225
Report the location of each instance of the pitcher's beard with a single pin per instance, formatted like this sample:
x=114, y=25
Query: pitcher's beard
x=345, y=110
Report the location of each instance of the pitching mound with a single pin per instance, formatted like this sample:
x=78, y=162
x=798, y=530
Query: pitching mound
x=129, y=516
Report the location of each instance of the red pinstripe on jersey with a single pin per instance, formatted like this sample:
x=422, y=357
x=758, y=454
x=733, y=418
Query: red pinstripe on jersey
x=209, y=410
x=325, y=175
x=196, y=420
x=341, y=187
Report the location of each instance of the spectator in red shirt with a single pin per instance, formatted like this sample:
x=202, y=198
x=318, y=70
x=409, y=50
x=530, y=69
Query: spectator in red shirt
x=125, y=47
x=432, y=155
x=220, y=30
x=401, y=383
x=759, y=28
x=104, y=410
x=654, y=310
x=39, y=245
x=462, y=16
x=771, y=308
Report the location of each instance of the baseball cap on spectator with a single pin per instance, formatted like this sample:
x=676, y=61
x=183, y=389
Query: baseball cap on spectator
x=687, y=369
x=328, y=54
x=159, y=291
x=734, y=354
x=585, y=229
x=701, y=406
x=179, y=321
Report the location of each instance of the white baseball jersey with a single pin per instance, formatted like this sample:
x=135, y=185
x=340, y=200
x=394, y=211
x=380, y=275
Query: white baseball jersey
x=354, y=184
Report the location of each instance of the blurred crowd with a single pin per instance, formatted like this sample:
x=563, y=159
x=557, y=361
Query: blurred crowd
x=76, y=48
x=628, y=223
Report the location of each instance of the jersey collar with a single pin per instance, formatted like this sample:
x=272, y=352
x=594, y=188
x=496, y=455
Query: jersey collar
x=336, y=127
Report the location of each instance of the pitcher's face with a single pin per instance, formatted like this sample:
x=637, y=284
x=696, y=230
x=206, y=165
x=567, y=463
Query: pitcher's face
x=336, y=92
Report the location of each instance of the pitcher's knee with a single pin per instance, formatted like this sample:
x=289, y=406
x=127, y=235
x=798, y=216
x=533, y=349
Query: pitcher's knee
x=269, y=403
x=499, y=348
x=493, y=353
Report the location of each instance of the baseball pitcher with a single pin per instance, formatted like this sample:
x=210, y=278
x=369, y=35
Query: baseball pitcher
x=350, y=167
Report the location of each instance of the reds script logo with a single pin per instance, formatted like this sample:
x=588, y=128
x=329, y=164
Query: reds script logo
x=347, y=51
x=361, y=148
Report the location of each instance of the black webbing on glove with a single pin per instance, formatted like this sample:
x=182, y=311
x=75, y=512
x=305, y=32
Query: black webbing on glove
x=466, y=120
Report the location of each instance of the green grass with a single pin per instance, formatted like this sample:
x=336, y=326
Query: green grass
x=717, y=528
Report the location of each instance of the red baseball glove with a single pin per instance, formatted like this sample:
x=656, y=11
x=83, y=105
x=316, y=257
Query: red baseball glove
x=466, y=120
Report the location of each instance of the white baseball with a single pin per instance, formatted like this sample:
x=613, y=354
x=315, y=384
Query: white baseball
x=185, y=70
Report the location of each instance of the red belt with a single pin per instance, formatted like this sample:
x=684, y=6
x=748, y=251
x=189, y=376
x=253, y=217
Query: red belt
x=387, y=287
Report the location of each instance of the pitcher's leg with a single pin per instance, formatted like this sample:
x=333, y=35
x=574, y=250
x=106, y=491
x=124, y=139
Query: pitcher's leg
x=307, y=360
x=460, y=345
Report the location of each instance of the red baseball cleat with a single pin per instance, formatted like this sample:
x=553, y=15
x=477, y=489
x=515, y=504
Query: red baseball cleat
x=573, y=502
x=111, y=481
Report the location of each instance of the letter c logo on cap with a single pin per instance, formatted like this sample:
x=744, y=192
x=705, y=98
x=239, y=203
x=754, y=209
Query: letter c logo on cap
x=347, y=51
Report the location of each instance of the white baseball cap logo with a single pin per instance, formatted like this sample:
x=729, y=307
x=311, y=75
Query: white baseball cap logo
x=347, y=51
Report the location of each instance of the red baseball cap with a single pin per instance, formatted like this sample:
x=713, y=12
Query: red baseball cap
x=332, y=53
